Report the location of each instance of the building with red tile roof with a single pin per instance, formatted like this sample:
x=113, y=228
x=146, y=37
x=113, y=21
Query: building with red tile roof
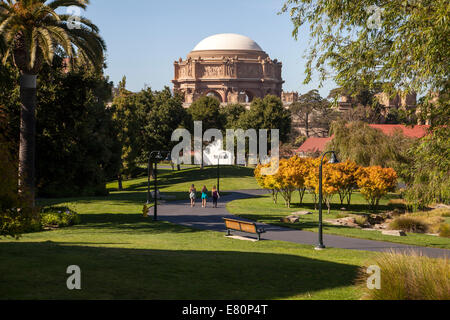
x=314, y=146
x=418, y=131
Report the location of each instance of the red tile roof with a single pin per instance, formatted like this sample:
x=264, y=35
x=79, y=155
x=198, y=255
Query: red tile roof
x=411, y=132
x=312, y=145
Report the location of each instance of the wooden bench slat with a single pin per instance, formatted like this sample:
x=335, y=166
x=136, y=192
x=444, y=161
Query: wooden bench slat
x=250, y=228
x=243, y=226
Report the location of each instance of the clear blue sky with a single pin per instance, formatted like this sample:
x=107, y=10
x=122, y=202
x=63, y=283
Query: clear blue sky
x=145, y=37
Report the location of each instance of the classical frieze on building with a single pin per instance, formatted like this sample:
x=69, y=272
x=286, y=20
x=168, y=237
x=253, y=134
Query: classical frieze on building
x=230, y=67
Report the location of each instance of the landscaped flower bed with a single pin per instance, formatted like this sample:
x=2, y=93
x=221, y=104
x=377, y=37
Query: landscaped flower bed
x=58, y=217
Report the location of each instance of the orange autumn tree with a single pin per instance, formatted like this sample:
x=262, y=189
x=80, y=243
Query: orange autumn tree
x=375, y=182
x=312, y=178
x=346, y=180
x=301, y=170
x=266, y=181
x=285, y=180
x=330, y=181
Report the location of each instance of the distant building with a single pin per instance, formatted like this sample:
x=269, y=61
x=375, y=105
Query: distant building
x=407, y=101
x=316, y=146
x=289, y=97
x=230, y=67
x=313, y=147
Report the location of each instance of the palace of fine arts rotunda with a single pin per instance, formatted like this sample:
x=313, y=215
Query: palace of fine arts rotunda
x=231, y=67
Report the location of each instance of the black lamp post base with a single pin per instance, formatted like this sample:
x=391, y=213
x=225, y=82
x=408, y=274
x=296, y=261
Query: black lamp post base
x=320, y=247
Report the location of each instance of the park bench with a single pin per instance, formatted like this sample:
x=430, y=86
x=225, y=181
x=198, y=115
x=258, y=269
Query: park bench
x=242, y=226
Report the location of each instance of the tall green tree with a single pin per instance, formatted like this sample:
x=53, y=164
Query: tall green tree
x=163, y=113
x=427, y=173
x=366, y=41
x=402, y=44
x=231, y=114
x=146, y=120
x=124, y=109
x=207, y=110
x=268, y=113
x=313, y=112
x=367, y=146
x=30, y=32
x=76, y=136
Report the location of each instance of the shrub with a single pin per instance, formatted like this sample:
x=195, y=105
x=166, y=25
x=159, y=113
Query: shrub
x=10, y=224
x=145, y=210
x=341, y=215
x=59, y=217
x=444, y=230
x=398, y=204
x=409, y=224
x=443, y=212
x=361, y=220
x=409, y=277
x=432, y=213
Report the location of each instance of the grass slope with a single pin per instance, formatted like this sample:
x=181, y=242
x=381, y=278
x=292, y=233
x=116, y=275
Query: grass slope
x=125, y=256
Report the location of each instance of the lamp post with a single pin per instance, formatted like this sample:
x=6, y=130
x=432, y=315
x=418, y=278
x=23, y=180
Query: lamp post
x=156, y=156
x=218, y=156
x=333, y=160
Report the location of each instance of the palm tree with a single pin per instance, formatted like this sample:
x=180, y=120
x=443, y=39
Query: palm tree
x=30, y=33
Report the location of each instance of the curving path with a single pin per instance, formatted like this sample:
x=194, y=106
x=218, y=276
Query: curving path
x=180, y=212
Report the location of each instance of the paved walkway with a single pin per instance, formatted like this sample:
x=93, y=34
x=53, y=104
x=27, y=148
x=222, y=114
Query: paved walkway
x=180, y=212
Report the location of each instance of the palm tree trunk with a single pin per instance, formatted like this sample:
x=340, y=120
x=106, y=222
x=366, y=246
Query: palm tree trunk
x=27, y=138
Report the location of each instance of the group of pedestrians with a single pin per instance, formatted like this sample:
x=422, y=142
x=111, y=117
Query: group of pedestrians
x=214, y=194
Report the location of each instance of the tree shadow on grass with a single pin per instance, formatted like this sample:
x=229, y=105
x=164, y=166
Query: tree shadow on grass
x=128, y=223
x=120, y=273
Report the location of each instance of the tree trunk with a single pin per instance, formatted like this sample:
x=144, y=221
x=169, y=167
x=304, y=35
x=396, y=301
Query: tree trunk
x=119, y=181
x=349, y=198
x=302, y=194
x=307, y=124
x=27, y=148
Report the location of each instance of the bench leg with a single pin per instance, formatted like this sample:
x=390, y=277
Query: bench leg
x=228, y=232
x=259, y=236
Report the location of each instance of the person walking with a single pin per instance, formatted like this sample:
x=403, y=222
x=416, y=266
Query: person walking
x=204, y=196
x=192, y=195
x=215, y=196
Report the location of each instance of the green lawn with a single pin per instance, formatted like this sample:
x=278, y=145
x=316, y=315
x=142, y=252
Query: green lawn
x=173, y=182
x=125, y=256
x=264, y=210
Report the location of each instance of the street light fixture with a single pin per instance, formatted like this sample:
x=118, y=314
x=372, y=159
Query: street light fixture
x=218, y=156
x=155, y=156
x=333, y=160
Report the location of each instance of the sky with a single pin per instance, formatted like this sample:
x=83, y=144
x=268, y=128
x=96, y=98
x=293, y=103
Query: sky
x=145, y=37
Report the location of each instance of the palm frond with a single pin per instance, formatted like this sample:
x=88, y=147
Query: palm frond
x=35, y=38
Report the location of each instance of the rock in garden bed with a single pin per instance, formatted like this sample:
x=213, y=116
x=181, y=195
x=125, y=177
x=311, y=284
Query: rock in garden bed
x=290, y=219
x=346, y=222
x=397, y=233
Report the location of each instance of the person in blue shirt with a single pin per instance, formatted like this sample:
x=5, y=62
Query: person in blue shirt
x=204, y=196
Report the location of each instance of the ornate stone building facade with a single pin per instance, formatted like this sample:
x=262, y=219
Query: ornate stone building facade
x=230, y=67
x=289, y=98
